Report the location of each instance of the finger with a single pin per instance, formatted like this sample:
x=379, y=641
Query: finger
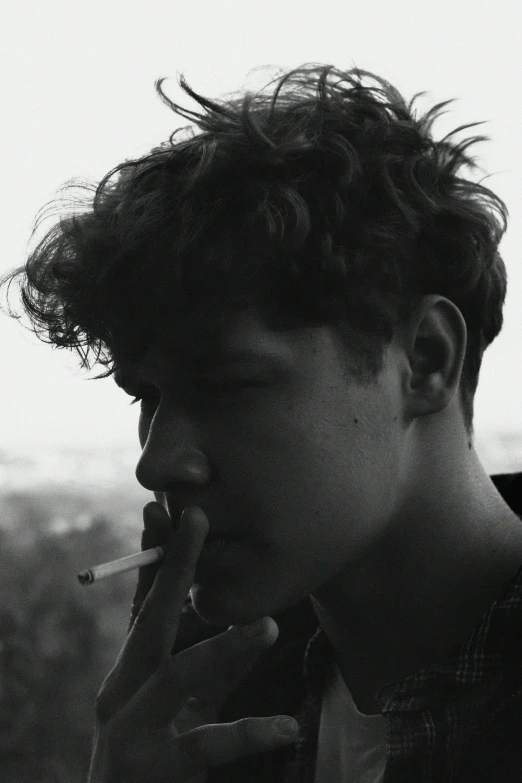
x=152, y=636
x=211, y=745
x=157, y=532
x=175, y=576
x=153, y=632
x=209, y=671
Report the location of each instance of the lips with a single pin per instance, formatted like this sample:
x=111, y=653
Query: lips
x=176, y=509
x=215, y=536
x=220, y=555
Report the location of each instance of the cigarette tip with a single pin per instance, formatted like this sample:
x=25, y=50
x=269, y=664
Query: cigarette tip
x=86, y=577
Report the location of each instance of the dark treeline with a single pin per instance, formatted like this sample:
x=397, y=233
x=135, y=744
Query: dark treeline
x=58, y=640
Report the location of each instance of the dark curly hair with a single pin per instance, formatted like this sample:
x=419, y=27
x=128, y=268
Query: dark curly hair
x=326, y=200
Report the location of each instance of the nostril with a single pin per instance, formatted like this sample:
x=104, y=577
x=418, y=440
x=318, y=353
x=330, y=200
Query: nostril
x=177, y=474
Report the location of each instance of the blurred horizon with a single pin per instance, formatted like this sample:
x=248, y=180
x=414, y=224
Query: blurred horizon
x=81, y=483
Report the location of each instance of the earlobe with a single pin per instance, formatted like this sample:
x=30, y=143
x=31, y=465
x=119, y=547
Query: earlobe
x=436, y=338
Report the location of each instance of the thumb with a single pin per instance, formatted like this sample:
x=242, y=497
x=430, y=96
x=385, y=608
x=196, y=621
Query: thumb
x=223, y=743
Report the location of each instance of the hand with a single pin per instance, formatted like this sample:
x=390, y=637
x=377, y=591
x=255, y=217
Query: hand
x=156, y=713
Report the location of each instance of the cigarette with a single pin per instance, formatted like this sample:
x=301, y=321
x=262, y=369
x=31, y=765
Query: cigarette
x=128, y=563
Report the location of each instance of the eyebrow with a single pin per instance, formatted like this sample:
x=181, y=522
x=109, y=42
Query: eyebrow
x=221, y=356
x=225, y=355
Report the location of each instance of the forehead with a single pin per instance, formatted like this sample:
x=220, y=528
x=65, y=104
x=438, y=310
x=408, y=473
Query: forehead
x=242, y=334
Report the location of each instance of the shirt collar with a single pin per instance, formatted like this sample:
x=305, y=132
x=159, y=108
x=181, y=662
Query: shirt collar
x=489, y=654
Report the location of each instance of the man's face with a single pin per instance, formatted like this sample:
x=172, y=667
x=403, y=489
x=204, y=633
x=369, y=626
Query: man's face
x=303, y=463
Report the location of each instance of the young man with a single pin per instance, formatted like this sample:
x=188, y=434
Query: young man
x=300, y=295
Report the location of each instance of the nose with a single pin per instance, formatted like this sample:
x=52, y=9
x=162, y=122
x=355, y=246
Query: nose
x=172, y=460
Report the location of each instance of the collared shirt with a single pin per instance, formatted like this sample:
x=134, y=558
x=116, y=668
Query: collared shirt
x=435, y=716
x=456, y=722
x=352, y=744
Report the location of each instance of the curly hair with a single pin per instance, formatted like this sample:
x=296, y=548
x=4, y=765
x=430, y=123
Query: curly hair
x=323, y=201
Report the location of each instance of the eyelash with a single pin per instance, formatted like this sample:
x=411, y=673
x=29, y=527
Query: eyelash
x=224, y=386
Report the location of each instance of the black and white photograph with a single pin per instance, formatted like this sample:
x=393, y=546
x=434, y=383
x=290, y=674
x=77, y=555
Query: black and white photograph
x=261, y=392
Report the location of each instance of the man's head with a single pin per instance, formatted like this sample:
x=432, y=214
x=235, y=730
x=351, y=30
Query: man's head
x=323, y=201
x=323, y=229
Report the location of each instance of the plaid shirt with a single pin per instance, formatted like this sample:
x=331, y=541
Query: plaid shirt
x=457, y=722
x=438, y=719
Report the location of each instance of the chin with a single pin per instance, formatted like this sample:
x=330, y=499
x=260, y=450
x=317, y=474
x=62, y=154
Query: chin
x=217, y=608
x=225, y=607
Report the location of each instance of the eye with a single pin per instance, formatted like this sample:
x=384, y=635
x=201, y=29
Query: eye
x=203, y=391
x=227, y=386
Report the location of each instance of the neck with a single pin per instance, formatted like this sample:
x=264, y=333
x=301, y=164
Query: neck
x=423, y=587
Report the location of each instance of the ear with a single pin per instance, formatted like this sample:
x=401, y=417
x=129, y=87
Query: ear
x=433, y=339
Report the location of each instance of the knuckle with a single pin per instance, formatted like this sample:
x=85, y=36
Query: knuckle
x=248, y=732
x=193, y=746
x=101, y=709
x=135, y=608
x=103, y=706
x=143, y=612
x=106, y=701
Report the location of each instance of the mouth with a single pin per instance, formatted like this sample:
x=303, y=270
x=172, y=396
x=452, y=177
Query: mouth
x=221, y=553
x=218, y=539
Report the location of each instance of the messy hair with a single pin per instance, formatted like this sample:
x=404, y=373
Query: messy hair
x=325, y=200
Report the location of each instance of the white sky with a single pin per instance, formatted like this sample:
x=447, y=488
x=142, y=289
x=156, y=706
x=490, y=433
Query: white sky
x=77, y=97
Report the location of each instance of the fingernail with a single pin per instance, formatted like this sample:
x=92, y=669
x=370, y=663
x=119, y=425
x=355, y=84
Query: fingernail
x=194, y=514
x=255, y=629
x=286, y=726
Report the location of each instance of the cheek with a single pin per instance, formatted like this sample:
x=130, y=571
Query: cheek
x=324, y=486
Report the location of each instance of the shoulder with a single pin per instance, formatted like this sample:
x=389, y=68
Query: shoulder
x=510, y=487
